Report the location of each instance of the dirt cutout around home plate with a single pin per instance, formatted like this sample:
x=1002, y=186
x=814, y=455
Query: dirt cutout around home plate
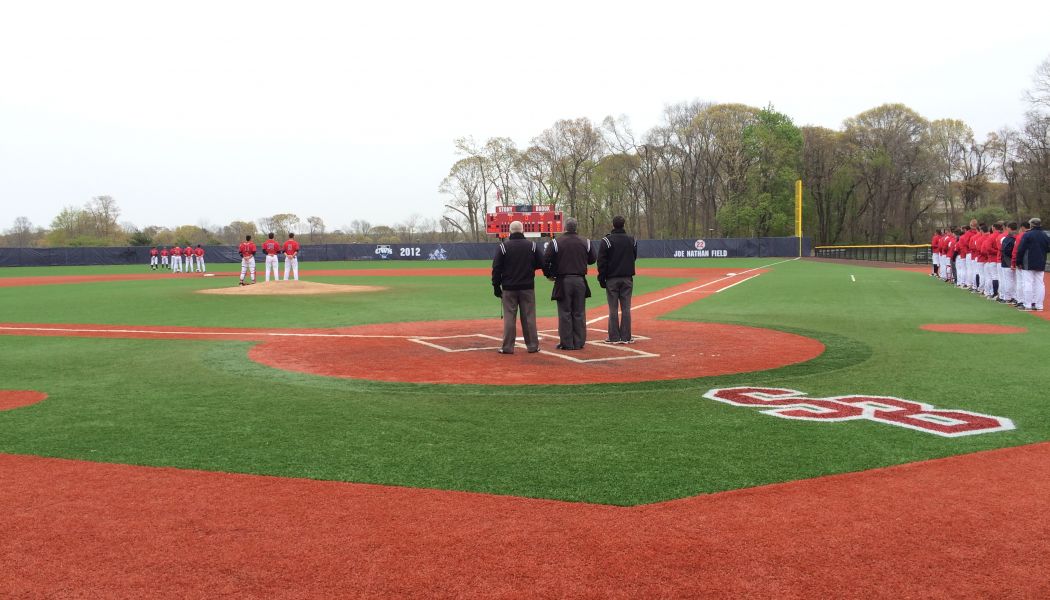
x=290, y=288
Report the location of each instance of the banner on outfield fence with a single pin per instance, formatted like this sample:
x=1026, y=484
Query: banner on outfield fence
x=130, y=255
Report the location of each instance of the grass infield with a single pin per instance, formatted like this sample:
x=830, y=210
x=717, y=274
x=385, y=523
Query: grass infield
x=204, y=405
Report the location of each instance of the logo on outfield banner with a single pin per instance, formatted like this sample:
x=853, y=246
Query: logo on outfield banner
x=384, y=251
x=701, y=252
x=792, y=404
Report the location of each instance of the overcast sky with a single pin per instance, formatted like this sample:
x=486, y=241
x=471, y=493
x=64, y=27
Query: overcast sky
x=207, y=112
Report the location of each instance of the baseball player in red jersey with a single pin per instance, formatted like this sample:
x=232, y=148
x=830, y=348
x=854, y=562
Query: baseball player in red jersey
x=971, y=258
x=982, y=257
x=187, y=254
x=953, y=250
x=947, y=240
x=971, y=251
x=176, y=259
x=164, y=258
x=291, y=257
x=199, y=252
x=935, y=249
x=247, y=251
x=154, y=256
x=271, y=249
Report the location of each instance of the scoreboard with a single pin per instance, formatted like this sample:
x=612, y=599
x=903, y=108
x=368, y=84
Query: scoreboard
x=536, y=219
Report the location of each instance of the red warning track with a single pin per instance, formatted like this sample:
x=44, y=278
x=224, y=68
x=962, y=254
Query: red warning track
x=961, y=527
x=977, y=328
x=465, y=351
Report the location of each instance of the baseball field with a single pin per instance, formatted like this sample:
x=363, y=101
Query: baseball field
x=782, y=428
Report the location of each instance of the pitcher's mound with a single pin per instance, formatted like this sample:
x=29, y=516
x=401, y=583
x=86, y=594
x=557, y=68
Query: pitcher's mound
x=290, y=288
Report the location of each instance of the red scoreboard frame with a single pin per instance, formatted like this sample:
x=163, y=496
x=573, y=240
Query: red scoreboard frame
x=536, y=219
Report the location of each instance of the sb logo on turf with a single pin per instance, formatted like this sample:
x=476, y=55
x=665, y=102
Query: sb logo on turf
x=792, y=404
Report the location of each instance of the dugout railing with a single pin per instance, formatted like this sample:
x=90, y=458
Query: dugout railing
x=917, y=254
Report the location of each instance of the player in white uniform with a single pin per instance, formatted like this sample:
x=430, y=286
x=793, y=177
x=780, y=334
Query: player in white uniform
x=176, y=259
x=272, y=250
x=291, y=257
x=200, y=259
x=247, y=251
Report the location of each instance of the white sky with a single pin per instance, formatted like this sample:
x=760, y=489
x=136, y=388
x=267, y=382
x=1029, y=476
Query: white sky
x=207, y=112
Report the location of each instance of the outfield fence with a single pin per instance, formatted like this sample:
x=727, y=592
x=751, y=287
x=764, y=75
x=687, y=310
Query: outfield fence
x=130, y=255
x=918, y=254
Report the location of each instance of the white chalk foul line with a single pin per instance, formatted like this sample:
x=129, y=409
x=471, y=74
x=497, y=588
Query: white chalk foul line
x=203, y=333
x=701, y=286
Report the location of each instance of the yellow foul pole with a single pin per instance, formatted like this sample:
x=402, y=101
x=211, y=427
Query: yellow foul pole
x=798, y=214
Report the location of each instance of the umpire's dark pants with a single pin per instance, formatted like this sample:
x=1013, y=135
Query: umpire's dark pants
x=572, y=312
x=618, y=292
x=523, y=301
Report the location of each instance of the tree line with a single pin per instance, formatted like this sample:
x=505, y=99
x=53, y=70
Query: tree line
x=888, y=175
x=97, y=223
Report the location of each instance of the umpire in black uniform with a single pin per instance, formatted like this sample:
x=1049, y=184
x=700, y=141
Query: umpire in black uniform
x=616, y=255
x=513, y=280
x=566, y=260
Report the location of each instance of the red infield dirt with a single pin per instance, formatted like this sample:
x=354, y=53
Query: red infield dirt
x=465, y=351
x=962, y=527
x=10, y=399
x=978, y=328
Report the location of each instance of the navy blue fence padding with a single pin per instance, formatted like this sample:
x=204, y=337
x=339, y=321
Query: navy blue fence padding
x=129, y=255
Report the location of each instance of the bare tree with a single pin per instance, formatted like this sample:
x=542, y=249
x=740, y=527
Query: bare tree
x=103, y=212
x=316, y=228
x=1033, y=149
x=467, y=147
x=951, y=140
x=1005, y=158
x=408, y=230
x=502, y=157
x=572, y=148
x=465, y=184
x=1039, y=95
x=21, y=233
x=976, y=171
x=537, y=176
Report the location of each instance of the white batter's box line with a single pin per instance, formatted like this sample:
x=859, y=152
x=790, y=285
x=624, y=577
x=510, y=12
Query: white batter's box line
x=629, y=353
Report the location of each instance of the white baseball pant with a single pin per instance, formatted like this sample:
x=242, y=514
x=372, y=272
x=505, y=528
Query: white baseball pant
x=248, y=264
x=271, y=263
x=291, y=263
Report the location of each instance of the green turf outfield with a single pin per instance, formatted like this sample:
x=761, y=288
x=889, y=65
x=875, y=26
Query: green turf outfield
x=203, y=405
